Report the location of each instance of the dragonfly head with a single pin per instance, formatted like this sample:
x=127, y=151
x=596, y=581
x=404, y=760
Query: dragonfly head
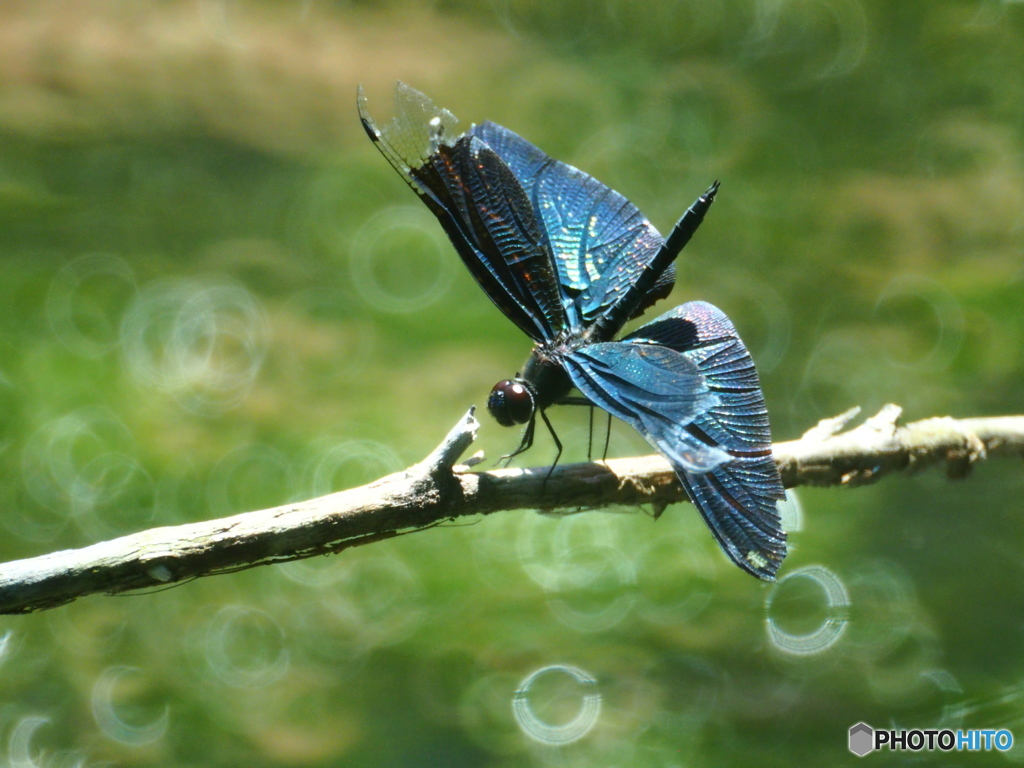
x=511, y=402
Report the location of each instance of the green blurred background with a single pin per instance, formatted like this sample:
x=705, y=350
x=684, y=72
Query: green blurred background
x=216, y=297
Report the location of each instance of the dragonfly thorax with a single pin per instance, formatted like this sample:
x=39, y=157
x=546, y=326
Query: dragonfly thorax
x=542, y=383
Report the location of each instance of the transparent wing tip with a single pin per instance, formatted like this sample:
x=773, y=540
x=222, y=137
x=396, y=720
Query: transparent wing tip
x=364, y=115
x=416, y=131
x=703, y=459
x=764, y=565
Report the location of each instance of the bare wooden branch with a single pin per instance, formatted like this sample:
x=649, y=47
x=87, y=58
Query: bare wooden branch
x=436, y=490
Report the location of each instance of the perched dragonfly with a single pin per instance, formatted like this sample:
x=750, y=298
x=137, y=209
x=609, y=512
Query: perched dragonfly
x=570, y=261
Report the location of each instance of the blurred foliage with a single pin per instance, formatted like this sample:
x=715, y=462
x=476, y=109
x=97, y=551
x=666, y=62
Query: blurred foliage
x=216, y=297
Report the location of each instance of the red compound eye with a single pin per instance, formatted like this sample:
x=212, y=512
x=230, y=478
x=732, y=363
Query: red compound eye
x=510, y=402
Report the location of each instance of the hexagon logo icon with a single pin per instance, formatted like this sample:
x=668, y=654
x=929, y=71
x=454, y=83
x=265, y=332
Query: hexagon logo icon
x=862, y=739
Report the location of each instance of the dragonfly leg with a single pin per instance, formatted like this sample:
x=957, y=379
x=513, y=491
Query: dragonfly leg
x=525, y=444
x=607, y=437
x=590, y=435
x=558, y=444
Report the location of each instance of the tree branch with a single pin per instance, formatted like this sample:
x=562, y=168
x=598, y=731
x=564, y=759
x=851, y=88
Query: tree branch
x=436, y=490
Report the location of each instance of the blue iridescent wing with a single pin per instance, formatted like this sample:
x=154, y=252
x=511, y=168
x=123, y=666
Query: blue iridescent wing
x=653, y=388
x=599, y=240
x=481, y=205
x=737, y=498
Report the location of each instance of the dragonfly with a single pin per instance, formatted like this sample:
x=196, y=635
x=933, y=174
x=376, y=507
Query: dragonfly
x=570, y=261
